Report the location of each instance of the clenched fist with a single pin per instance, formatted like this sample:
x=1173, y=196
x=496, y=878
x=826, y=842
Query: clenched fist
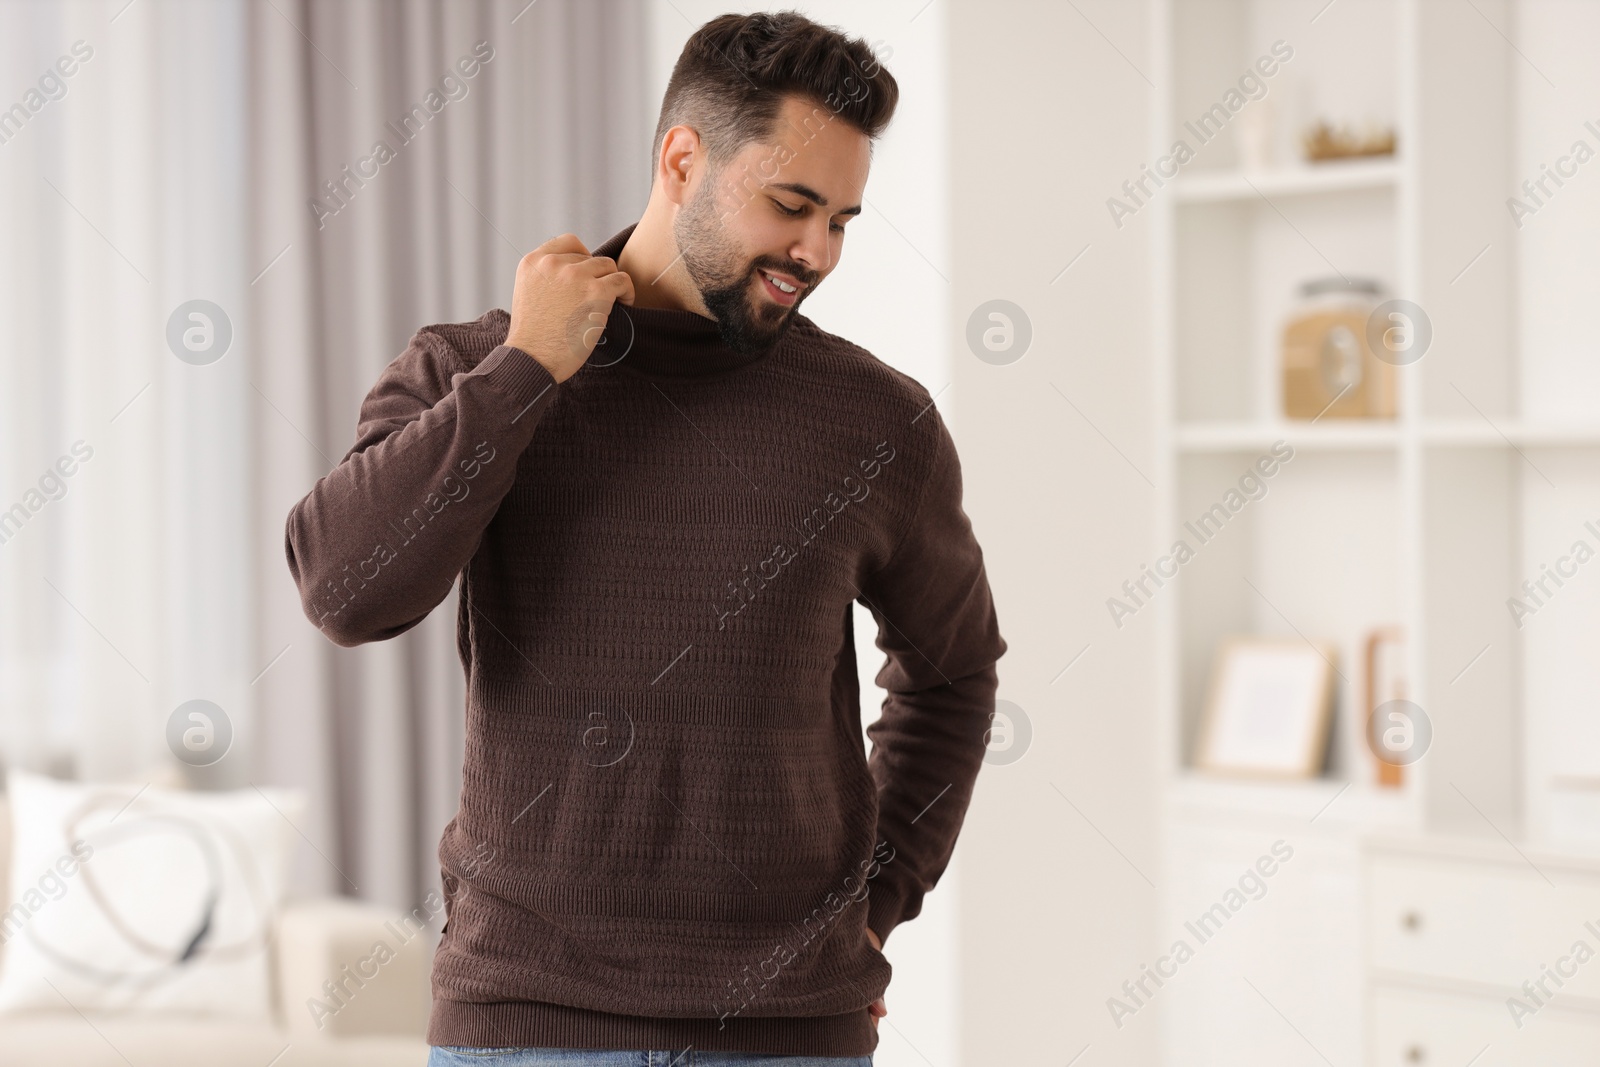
x=562, y=299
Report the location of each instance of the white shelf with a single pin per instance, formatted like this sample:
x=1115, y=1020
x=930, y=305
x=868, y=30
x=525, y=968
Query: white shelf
x=1329, y=801
x=1376, y=435
x=1478, y=433
x=1365, y=435
x=1306, y=180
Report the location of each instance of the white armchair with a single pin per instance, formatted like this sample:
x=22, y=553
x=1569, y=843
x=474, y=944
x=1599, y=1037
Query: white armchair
x=335, y=982
x=375, y=1016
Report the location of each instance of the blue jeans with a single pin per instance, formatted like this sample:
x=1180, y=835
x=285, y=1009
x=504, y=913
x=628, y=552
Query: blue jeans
x=456, y=1056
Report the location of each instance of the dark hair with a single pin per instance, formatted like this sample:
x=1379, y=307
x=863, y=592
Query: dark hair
x=735, y=71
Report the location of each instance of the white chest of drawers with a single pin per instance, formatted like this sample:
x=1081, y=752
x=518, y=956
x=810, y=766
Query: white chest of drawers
x=1481, y=952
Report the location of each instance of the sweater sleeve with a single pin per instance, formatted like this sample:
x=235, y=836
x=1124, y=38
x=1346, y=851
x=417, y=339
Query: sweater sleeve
x=379, y=540
x=937, y=627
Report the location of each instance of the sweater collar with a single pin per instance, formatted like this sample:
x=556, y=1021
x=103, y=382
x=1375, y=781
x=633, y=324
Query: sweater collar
x=664, y=342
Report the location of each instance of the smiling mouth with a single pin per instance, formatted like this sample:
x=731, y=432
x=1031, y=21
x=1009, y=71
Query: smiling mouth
x=782, y=292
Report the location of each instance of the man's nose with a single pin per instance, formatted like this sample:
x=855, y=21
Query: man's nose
x=814, y=250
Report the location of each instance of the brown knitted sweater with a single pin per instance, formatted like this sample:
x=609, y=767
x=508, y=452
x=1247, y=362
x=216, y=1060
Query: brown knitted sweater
x=670, y=834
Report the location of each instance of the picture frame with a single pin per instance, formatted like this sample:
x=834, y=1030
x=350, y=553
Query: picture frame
x=1269, y=708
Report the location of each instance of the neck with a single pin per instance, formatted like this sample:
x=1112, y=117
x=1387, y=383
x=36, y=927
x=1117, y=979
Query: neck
x=652, y=260
x=667, y=342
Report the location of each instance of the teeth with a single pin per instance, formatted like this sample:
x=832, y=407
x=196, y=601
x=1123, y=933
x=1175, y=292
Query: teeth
x=779, y=284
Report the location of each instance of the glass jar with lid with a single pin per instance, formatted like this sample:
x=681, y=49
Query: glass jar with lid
x=1329, y=371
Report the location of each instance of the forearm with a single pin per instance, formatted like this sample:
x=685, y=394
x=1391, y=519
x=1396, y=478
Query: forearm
x=379, y=541
x=928, y=748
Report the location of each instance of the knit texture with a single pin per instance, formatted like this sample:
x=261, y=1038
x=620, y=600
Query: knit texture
x=670, y=833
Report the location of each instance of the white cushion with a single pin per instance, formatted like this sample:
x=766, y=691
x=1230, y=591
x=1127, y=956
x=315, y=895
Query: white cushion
x=152, y=901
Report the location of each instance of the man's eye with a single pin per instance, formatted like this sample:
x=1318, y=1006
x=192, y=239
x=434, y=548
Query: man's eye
x=793, y=211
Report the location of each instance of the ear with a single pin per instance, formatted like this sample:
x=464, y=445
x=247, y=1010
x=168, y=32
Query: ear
x=681, y=156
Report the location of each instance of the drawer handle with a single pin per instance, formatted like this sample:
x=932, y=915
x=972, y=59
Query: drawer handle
x=1416, y=1054
x=1412, y=921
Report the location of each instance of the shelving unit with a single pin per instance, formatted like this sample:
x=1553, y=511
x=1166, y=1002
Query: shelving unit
x=1428, y=521
x=1334, y=554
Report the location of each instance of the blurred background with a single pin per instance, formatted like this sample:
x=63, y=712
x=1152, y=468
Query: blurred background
x=1258, y=326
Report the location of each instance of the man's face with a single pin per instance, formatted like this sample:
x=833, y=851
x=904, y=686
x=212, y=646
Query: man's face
x=773, y=216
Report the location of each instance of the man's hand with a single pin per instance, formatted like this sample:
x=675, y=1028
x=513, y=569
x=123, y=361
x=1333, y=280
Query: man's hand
x=561, y=301
x=877, y=1007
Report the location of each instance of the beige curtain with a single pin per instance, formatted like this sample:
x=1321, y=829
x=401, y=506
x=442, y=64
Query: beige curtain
x=537, y=124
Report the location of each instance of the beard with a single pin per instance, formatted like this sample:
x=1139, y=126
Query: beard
x=722, y=276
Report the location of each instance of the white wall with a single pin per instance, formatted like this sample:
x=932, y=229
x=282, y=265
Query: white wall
x=891, y=294
x=1049, y=115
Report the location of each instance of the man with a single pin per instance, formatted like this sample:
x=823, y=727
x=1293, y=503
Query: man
x=663, y=488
